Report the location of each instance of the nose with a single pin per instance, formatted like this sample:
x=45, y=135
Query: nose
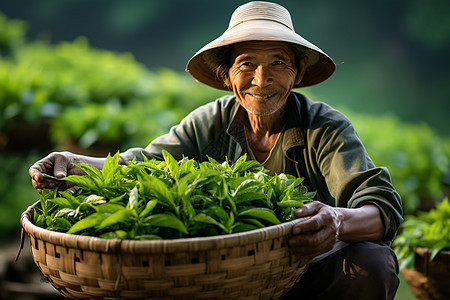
x=262, y=76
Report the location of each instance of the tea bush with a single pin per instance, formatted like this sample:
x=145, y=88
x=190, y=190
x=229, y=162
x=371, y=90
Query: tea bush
x=418, y=158
x=170, y=96
x=41, y=80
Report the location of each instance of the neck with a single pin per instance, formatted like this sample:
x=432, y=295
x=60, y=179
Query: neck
x=264, y=126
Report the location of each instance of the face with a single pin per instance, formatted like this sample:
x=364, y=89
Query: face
x=262, y=74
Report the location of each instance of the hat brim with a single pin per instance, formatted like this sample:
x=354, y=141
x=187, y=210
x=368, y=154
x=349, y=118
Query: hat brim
x=320, y=66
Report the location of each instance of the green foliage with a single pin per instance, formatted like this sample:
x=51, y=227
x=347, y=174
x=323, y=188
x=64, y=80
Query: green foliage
x=16, y=190
x=12, y=34
x=41, y=80
x=169, y=199
x=169, y=97
x=417, y=156
x=91, y=96
x=426, y=230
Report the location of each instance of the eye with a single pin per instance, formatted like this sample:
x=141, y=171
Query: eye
x=278, y=63
x=246, y=66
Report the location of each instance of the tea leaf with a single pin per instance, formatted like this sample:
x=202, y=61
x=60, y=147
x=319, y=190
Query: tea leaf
x=110, y=168
x=93, y=173
x=242, y=227
x=62, y=202
x=133, y=199
x=210, y=220
x=166, y=220
x=82, y=181
x=121, y=216
x=148, y=208
x=174, y=168
x=89, y=222
x=260, y=213
x=108, y=208
x=290, y=203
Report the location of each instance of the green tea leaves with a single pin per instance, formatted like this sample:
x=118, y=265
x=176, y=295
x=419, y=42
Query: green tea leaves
x=426, y=230
x=169, y=199
x=120, y=216
x=261, y=214
x=166, y=220
x=88, y=222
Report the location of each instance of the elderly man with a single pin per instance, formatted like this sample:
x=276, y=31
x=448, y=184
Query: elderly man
x=357, y=211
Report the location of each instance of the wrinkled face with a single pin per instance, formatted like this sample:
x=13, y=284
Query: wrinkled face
x=262, y=74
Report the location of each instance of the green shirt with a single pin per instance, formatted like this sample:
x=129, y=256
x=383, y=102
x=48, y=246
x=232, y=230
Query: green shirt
x=319, y=144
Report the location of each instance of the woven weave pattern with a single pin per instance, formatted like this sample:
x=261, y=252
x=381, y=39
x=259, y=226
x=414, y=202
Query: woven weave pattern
x=429, y=279
x=257, y=265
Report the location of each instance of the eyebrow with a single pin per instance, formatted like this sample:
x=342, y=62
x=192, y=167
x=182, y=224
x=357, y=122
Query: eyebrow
x=244, y=57
x=281, y=56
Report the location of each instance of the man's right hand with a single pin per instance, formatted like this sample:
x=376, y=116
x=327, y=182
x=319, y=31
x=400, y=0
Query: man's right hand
x=57, y=164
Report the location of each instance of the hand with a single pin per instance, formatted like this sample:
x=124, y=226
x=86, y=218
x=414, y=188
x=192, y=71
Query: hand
x=57, y=164
x=318, y=234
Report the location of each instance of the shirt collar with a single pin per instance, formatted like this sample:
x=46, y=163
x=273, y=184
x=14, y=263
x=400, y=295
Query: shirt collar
x=293, y=135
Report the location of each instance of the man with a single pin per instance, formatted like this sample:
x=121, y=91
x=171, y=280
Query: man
x=357, y=213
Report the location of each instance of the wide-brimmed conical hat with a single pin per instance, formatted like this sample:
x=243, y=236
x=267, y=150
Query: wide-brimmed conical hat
x=262, y=21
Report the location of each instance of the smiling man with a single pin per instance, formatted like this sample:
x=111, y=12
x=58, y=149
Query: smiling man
x=357, y=211
x=262, y=75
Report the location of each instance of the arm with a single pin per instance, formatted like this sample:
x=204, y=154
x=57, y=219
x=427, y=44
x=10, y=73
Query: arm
x=343, y=172
x=362, y=203
x=361, y=224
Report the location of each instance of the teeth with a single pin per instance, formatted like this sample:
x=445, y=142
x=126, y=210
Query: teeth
x=262, y=97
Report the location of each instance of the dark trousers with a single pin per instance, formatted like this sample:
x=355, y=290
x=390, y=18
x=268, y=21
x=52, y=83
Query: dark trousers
x=364, y=270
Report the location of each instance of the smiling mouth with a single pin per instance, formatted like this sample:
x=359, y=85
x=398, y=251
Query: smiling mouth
x=262, y=97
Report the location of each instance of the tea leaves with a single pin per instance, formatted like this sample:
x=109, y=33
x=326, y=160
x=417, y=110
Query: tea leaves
x=429, y=230
x=169, y=199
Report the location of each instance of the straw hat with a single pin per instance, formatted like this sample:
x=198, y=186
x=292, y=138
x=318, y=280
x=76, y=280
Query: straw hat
x=262, y=21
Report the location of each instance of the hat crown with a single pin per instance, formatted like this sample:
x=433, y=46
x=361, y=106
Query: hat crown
x=260, y=10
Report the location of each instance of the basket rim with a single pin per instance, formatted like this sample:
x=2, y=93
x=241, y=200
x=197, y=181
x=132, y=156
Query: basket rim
x=422, y=251
x=98, y=244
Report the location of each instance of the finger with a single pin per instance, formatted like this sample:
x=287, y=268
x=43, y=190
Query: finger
x=313, y=224
x=60, y=166
x=312, y=244
x=44, y=184
x=308, y=209
x=312, y=251
x=35, y=174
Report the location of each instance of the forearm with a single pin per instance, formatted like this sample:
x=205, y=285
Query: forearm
x=361, y=224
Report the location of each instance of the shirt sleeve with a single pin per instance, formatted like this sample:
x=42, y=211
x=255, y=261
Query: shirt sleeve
x=348, y=172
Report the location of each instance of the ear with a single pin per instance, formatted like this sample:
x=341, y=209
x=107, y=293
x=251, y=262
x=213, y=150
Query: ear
x=301, y=71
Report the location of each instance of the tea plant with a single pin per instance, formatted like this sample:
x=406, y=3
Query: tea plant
x=169, y=199
x=427, y=230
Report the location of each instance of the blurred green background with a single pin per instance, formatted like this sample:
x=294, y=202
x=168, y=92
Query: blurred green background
x=100, y=76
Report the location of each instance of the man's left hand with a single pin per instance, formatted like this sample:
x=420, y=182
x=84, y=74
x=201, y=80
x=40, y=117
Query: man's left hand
x=318, y=234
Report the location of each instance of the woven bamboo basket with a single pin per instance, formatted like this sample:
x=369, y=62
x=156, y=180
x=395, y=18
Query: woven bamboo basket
x=429, y=280
x=257, y=264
